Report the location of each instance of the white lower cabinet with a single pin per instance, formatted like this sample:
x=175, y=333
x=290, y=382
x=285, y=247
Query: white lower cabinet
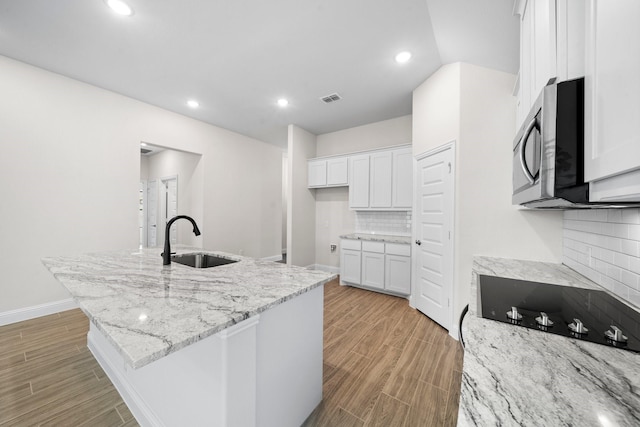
x=376, y=265
x=397, y=273
x=373, y=264
x=350, y=261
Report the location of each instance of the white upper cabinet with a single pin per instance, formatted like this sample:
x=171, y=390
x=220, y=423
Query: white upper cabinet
x=330, y=172
x=382, y=180
x=612, y=99
x=359, y=181
x=570, y=35
x=317, y=170
x=538, y=52
x=380, y=177
x=338, y=172
x=403, y=178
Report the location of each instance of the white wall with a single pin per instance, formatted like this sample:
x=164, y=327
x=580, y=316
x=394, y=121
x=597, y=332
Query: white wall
x=485, y=221
x=188, y=169
x=70, y=161
x=436, y=110
x=366, y=137
x=301, y=209
x=333, y=217
x=604, y=245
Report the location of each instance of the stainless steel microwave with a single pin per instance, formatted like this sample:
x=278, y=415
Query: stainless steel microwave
x=548, y=151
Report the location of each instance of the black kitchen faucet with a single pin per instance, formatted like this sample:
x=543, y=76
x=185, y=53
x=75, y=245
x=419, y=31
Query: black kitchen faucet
x=166, y=255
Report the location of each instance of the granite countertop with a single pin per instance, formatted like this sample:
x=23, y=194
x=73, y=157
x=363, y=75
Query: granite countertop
x=522, y=377
x=147, y=310
x=387, y=238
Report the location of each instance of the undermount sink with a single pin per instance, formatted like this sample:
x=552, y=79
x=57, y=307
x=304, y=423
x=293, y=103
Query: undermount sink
x=201, y=260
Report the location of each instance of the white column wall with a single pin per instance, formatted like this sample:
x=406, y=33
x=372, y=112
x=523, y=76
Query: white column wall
x=301, y=208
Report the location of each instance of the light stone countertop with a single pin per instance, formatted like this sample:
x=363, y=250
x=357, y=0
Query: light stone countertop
x=514, y=376
x=405, y=240
x=147, y=310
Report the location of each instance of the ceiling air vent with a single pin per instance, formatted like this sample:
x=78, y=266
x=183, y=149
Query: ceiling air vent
x=145, y=151
x=331, y=98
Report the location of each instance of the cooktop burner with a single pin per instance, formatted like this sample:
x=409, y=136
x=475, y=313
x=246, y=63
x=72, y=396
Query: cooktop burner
x=584, y=314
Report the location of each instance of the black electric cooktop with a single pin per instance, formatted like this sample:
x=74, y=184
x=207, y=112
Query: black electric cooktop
x=583, y=314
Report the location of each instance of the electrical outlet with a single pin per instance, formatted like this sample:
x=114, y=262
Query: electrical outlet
x=333, y=248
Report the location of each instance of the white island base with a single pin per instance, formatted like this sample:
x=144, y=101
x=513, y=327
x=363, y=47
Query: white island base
x=264, y=371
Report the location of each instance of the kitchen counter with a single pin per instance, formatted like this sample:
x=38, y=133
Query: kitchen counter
x=236, y=344
x=378, y=238
x=148, y=311
x=521, y=377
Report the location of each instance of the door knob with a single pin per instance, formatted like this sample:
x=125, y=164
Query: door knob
x=418, y=242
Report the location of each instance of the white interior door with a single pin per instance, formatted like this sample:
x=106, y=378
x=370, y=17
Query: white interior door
x=152, y=213
x=433, y=236
x=170, y=204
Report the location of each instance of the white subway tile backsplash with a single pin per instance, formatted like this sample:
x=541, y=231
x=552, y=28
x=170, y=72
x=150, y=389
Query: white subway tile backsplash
x=631, y=216
x=604, y=245
x=395, y=223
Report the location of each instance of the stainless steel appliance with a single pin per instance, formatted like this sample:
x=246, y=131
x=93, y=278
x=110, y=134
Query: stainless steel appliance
x=548, y=151
x=584, y=314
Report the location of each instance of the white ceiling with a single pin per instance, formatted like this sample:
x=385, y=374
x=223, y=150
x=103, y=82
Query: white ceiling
x=237, y=57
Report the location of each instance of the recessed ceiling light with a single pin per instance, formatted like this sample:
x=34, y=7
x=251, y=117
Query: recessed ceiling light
x=403, y=57
x=119, y=7
x=283, y=102
x=193, y=103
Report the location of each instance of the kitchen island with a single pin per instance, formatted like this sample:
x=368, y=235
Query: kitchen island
x=237, y=344
x=514, y=376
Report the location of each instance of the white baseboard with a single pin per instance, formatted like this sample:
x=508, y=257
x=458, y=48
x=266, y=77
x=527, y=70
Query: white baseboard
x=272, y=258
x=138, y=407
x=327, y=268
x=22, y=314
x=454, y=333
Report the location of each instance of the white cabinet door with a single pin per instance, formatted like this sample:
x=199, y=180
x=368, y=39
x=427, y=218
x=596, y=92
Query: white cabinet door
x=350, y=265
x=570, y=38
x=381, y=164
x=403, y=178
x=317, y=170
x=337, y=171
x=544, y=44
x=397, y=274
x=373, y=270
x=538, y=51
x=612, y=88
x=359, y=181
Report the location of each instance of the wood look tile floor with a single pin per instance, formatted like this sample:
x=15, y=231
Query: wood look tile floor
x=385, y=364
x=48, y=376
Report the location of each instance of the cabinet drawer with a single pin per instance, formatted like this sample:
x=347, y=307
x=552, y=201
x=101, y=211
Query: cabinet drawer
x=350, y=244
x=373, y=247
x=398, y=249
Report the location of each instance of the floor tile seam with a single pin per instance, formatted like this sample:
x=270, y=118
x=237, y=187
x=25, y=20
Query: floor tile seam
x=8, y=373
x=71, y=402
x=39, y=347
x=350, y=413
x=433, y=385
x=119, y=414
x=406, y=415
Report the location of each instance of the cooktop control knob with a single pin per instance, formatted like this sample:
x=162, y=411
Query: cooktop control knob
x=577, y=327
x=513, y=314
x=543, y=320
x=615, y=335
